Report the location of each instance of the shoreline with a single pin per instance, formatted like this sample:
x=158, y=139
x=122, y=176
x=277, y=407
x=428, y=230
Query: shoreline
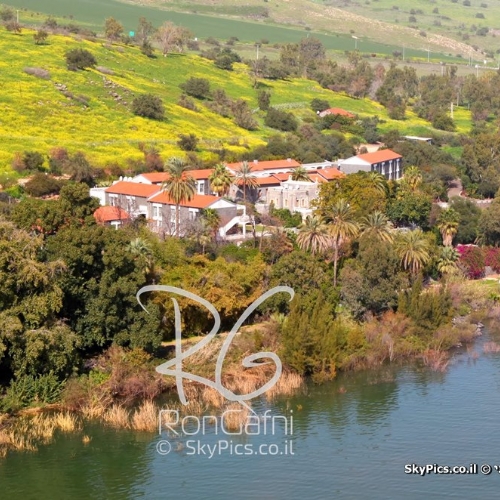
x=31, y=427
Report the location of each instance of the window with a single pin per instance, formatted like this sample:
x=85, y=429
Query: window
x=156, y=212
x=201, y=187
x=173, y=211
x=113, y=200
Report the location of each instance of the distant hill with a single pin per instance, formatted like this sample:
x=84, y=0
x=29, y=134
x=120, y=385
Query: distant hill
x=438, y=24
x=90, y=110
x=382, y=26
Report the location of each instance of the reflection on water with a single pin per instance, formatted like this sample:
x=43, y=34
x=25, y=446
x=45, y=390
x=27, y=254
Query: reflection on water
x=352, y=438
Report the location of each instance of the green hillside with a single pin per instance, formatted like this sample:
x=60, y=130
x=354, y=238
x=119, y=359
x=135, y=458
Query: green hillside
x=38, y=114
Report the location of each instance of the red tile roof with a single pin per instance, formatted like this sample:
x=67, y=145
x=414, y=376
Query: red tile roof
x=266, y=165
x=133, y=189
x=283, y=176
x=331, y=173
x=201, y=174
x=379, y=156
x=317, y=178
x=337, y=111
x=198, y=200
x=159, y=177
x=272, y=180
x=108, y=214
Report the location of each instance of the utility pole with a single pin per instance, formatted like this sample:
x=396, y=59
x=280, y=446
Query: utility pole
x=451, y=105
x=17, y=10
x=403, y=53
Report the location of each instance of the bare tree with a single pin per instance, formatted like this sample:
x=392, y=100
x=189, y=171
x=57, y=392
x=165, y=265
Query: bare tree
x=172, y=37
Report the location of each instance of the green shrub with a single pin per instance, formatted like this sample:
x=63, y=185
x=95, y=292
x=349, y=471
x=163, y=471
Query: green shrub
x=318, y=105
x=281, y=120
x=28, y=390
x=33, y=160
x=42, y=185
x=196, y=87
x=80, y=59
x=187, y=142
x=148, y=106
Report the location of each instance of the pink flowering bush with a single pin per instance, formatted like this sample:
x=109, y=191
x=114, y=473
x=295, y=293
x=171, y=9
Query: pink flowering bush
x=472, y=261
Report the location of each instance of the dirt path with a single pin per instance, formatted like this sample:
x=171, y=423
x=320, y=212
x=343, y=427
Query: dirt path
x=455, y=188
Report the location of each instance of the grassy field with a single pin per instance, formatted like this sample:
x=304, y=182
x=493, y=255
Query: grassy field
x=249, y=27
x=35, y=115
x=373, y=21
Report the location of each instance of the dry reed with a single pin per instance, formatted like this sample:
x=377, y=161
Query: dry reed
x=491, y=347
x=288, y=384
x=117, y=416
x=436, y=360
x=26, y=432
x=145, y=418
x=235, y=416
x=212, y=398
x=66, y=422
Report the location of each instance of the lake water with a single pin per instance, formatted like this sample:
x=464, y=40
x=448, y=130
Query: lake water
x=351, y=439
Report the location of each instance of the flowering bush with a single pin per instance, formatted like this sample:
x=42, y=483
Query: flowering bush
x=472, y=261
x=492, y=258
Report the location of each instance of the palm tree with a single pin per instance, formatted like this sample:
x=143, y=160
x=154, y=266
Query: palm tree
x=212, y=220
x=412, y=178
x=342, y=226
x=300, y=174
x=413, y=250
x=313, y=235
x=378, y=225
x=142, y=250
x=447, y=262
x=245, y=178
x=220, y=180
x=447, y=224
x=179, y=186
x=378, y=182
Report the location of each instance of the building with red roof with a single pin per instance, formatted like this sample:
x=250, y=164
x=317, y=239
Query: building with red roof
x=265, y=168
x=384, y=161
x=111, y=216
x=130, y=196
x=336, y=111
x=199, y=175
x=162, y=212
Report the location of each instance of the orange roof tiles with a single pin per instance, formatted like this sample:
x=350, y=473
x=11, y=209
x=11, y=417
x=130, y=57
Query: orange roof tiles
x=198, y=200
x=133, y=189
x=108, y=214
x=266, y=165
x=197, y=174
x=272, y=180
x=283, y=176
x=200, y=174
x=337, y=111
x=317, y=178
x=331, y=173
x=379, y=156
